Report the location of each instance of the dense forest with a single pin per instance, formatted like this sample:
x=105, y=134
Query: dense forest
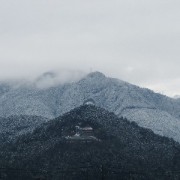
x=118, y=144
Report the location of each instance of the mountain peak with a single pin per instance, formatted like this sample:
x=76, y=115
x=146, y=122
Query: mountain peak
x=46, y=75
x=96, y=74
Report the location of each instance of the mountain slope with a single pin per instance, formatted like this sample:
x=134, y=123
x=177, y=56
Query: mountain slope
x=117, y=143
x=17, y=125
x=148, y=109
x=4, y=88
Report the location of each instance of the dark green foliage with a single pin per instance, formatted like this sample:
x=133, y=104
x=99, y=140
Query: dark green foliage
x=124, y=145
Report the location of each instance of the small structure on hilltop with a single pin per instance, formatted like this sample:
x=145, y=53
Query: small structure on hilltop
x=82, y=134
x=89, y=102
x=85, y=131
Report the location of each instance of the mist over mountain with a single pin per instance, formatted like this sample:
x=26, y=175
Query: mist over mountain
x=150, y=110
x=89, y=90
x=55, y=78
x=177, y=97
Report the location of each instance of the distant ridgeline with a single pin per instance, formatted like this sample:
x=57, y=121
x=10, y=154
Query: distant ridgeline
x=148, y=109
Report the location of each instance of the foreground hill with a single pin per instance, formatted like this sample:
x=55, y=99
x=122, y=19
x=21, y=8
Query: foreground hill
x=150, y=110
x=14, y=126
x=113, y=142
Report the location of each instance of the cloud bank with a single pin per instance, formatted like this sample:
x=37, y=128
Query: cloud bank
x=136, y=41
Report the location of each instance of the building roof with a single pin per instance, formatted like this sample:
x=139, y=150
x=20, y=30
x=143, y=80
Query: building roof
x=87, y=128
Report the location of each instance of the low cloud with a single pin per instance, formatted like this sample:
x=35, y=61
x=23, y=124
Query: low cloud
x=136, y=41
x=58, y=77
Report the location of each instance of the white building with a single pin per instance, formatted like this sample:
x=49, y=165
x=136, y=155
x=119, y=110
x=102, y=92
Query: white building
x=89, y=102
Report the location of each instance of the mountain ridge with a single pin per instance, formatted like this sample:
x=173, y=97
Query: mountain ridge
x=150, y=110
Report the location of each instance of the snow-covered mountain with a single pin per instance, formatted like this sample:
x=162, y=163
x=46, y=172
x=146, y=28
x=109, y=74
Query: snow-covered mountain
x=150, y=110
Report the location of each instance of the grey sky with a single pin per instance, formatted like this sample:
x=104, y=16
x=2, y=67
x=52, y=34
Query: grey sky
x=134, y=40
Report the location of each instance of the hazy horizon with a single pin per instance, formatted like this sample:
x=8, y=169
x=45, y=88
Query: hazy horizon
x=56, y=77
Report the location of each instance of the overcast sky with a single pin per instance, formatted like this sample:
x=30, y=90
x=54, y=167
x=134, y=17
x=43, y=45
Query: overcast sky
x=134, y=40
